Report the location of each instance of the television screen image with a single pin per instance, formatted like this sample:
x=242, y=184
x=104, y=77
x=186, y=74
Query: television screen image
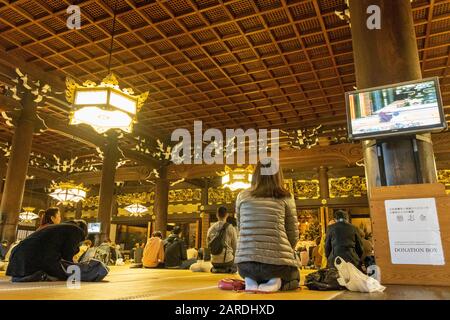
x=409, y=107
x=94, y=227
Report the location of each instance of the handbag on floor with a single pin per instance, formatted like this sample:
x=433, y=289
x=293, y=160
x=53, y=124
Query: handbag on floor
x=354, y=280
x=231, y=284
x=323, y=280
x=90, y=271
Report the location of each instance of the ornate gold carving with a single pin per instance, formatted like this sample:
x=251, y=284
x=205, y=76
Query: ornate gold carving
x=306, y=189
x=89, y=84
x=141, y=99
x=185, y=195
x=110, y=81
x=71, y=85
x=91, y=202
x=289, y=184
x=347, y=187
x=137, y=197
x=444, y=177
x=220, y=196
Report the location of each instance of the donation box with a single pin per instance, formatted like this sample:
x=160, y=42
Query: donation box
x=411, y=233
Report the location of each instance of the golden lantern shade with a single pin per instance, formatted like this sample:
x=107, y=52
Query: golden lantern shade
x=238, y=178
x=136, y=209
x=104, y=106
x=66, y=192
x=28, y=215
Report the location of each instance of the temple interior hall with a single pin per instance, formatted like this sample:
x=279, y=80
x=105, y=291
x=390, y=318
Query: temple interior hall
x=108, y=109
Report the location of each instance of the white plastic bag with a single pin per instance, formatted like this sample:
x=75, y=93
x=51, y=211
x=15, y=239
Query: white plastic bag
x=119, y=262
x=354, y=280
x=201, y=266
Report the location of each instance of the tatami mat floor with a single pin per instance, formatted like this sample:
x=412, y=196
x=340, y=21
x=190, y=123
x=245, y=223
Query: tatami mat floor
x=124, y=283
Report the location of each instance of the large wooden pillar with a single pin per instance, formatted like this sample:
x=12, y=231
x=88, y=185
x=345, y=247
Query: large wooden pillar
x=324, y=196
x=323, y=183
x=78, y=210
x=386, y=56
x=3, y=166
x=16, y=172
x=205, y=215
x=62, y=211
x=161, y=206
x=111, y=155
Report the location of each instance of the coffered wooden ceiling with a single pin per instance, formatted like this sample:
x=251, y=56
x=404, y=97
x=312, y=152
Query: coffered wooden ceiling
x=239, y=63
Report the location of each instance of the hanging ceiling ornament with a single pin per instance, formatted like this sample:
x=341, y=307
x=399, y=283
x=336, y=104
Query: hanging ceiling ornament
x=28, y=215
x=136, y=209
x=238, y=178
x=66, y=192
x=104, y=106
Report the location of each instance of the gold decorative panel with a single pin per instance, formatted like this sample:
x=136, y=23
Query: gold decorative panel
x=220, y=196
x=185, y=195
x=444, y=178
x=306, y=189
x=91, y=202
x=137, y=197
x=188, y=196
x=347, y=187
x=289, y=184
x=184, y=208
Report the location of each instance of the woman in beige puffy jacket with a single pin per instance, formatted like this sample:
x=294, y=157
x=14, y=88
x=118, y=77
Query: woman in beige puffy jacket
x=268, y=231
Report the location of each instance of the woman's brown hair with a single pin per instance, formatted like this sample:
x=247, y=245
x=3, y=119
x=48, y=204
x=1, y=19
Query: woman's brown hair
x=48, y=214
x=268, y=185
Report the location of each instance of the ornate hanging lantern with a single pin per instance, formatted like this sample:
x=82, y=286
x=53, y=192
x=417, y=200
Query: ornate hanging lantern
x=238, y=178
x=136, y=209
x=66, y=192
x=28, y=215
x=104, y=106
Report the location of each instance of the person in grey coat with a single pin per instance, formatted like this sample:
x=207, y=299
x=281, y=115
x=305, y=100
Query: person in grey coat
x=343, y=240
x=268, y=231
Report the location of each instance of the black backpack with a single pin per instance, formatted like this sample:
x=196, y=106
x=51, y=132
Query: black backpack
x=218, y=242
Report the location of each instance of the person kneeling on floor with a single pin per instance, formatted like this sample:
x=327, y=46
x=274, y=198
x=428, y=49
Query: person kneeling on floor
x=154, y=251
x=40, y=257
x=175, y=251
x=268, y=231
x=222, y=241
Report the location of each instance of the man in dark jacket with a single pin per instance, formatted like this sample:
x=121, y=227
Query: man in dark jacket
x=38, y=257
x=174, y=249
x=343, y=240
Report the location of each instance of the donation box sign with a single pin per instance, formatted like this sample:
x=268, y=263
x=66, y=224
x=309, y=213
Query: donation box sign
x=414, y=234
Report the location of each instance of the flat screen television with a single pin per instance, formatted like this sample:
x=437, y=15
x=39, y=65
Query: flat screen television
x=94, y=227
x=398, y=109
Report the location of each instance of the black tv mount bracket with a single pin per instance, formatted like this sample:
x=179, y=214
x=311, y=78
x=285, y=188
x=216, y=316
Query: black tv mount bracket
x=380, y=156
